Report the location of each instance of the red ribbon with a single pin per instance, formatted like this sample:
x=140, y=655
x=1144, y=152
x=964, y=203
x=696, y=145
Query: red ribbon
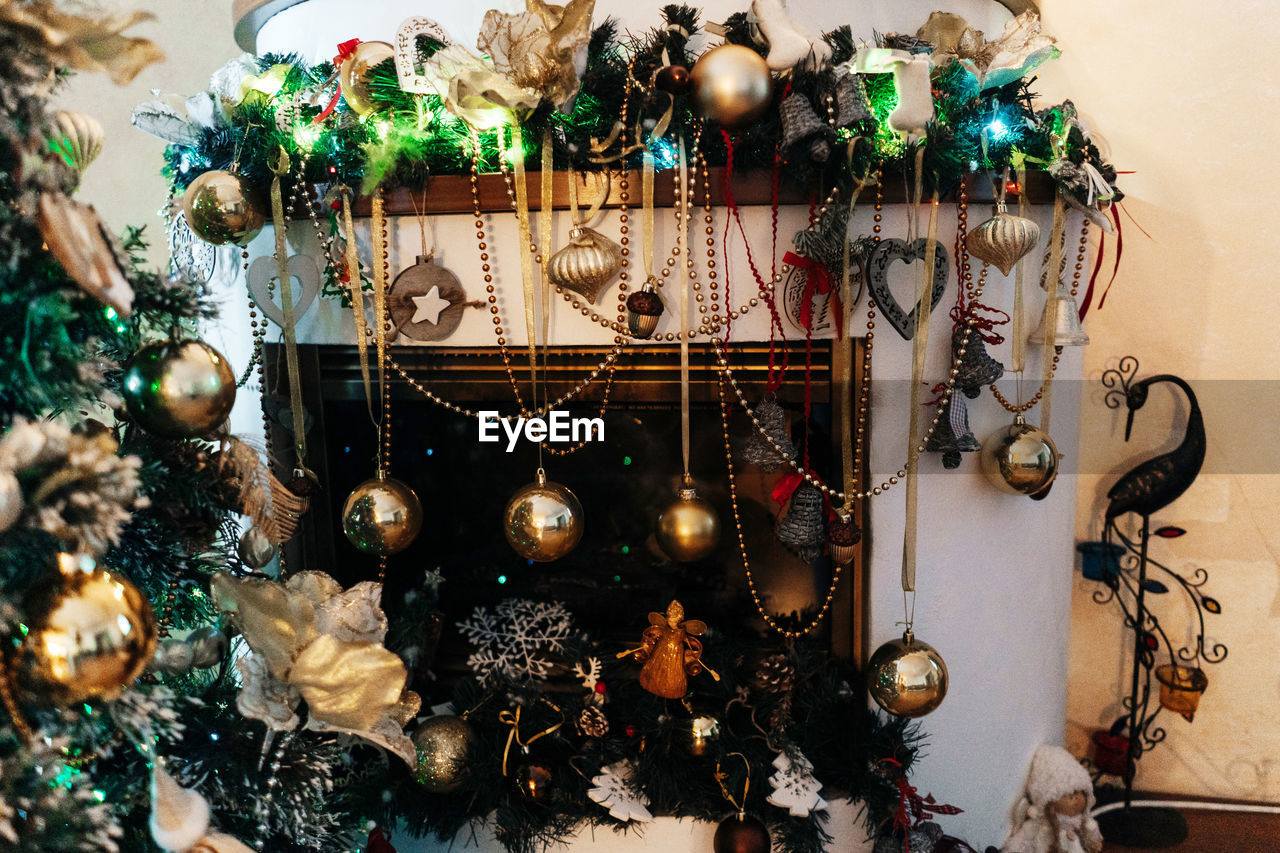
x=817, y=280
x=379, y=842
x=345, y=51
x=786, y=487
x=913, y=809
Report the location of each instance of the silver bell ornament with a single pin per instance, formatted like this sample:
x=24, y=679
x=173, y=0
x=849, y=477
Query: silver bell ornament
x=802, y=529
x=757, y=450
x=953, y=435
x=1068, y=330
x=587, y=265
x=975, y=365
x=1003, y=240
x=800, y=123
x=1020, y=459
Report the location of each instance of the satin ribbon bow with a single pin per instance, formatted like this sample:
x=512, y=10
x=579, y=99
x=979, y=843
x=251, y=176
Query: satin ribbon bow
x=817, y=281
x=345, y=51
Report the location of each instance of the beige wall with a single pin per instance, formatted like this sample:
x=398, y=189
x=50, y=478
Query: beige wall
x=1195, y=119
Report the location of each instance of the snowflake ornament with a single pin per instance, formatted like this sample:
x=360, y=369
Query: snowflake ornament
x=613, y=790
x=794, y=787
x=517, y=639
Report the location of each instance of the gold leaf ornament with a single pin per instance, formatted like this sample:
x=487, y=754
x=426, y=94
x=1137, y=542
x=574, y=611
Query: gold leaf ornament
x=82, y=43
x=543, y=48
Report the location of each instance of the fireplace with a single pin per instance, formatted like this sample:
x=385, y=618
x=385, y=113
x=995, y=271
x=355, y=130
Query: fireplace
x=616, y=574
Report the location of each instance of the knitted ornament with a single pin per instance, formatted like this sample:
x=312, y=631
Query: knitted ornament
x=800, y=123
x=757, y=450
x=977, y=367
x=851, y=100
x=803, y=530
x=953, y=435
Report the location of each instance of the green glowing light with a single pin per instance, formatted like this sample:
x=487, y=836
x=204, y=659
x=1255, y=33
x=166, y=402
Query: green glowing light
x=626, y=460
x=502, y=578
x=626, y=549
x=617, y=578
x=306, y=135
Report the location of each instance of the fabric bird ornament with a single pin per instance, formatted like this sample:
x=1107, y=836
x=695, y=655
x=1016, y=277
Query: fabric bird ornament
x=790, y=44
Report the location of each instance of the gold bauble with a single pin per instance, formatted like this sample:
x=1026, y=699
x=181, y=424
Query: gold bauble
x=907, y=677
x=1003, y=240
x=587, y=265
x=85, y=633
x=222, y=207
x=698, y=735
x=543, y=520
x=179, y=389
x=732, y=85
x=382, y=516
x=443, y=743
x=533, y=780
x=354, y=74
x=77, y=137
x=1020, y=459
x=688, y=530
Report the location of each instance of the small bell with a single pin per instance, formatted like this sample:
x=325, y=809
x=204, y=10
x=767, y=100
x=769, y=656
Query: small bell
x=851, y=100
x=953, y=435
x=977, y=367
x=801, y=123
x=644, y=307
x=757, y=450
x=1069, y=330
x=802, y=529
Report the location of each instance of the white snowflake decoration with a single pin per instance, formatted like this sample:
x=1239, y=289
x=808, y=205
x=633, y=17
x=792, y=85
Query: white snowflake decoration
x=794, y=787
x=517, y=640
x=615, y=791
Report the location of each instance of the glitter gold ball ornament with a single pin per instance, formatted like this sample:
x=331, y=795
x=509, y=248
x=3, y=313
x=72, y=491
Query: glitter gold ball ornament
x=382, y=516
x=85, y=633
x=731, y=84
x=688, y=530
x=353, y=76
x=179, y=389
x=443, y=743
x=1003, y=240
x=1020, y=459
x=222, y=207
x=699, y=735
x=741, y=834
x=255, y=549
x=533, y=780
x=587, y=265
x=543, y=520
x=907, y=677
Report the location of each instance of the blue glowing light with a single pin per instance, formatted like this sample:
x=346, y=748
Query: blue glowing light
x=998, y=130
x=502, y=578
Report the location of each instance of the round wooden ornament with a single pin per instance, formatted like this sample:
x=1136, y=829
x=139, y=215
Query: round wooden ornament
x=426, y=301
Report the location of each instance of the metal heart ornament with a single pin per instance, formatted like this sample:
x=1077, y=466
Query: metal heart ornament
x=410, y=62
x=301, y=269
x=1003, y=240
x=885, y=253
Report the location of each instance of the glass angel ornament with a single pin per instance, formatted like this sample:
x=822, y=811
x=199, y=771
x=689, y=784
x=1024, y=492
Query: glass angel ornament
x=671, y=653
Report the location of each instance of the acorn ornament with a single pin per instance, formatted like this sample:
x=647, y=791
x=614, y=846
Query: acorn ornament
x=688, y=529
x=222, y=207
x=731, y=85
x=843, y=536
x=906, y=677
x=1004, y=239
x=644, y=309
x=587, y=265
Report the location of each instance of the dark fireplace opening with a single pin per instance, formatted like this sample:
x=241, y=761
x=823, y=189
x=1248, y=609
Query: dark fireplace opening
x=617, y=574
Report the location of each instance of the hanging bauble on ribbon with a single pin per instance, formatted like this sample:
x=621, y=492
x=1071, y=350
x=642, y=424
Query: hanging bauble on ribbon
x=543, y=521
x=87, y=633
x=222, y=207
x=77, y=137
x=906, y=677
x=673, y=79
x=443, y=743
x=179, y=389
x=953, y=436
x=255, y=549
x=1004, y=239
x=731, y=85
x=688, y=529
x=975, y=365
x=644, y=308
x=353, y=73
x=426, y=301
x=802, y=530
x=741, y=834
x=1020, y=459
x=843, y=536
x=587, y=265
x=773, y=423
x=382, y=516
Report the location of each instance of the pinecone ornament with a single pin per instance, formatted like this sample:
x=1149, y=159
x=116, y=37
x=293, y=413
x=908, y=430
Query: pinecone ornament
x=775, y=674
x=592, y=722
x=757, y=450
x=803, y=530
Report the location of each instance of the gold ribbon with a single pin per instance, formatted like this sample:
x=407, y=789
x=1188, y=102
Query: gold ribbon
x=920, y=349
x=356, y=294
x=1018, y=359
x=682, y=248
x=379, y=226
x=508, y=718
x=526, y=259
x=279, y=225
x=1051, y=308
x=544, y=239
